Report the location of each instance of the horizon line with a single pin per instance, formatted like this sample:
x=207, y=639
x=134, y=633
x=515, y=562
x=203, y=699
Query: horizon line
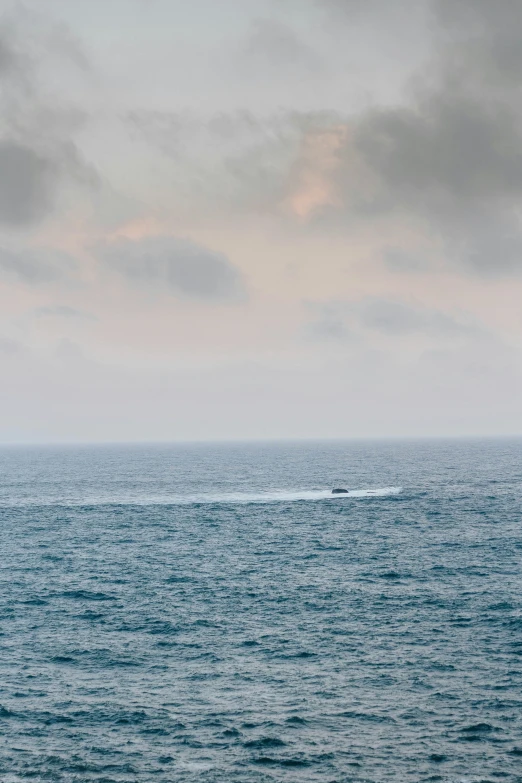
x=260, y=440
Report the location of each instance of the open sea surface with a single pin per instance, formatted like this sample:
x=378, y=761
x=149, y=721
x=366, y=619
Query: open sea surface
x=210, y=613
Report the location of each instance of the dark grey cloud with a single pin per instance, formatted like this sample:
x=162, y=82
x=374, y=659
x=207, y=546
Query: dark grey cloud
x=456, y=165
x=328, y=321
x=63, y=311
x=9, y=347
x=446, y=152
x=16, y=91
x=272, y=44
x=27, y=184
x=396, y=318
x=448, y=159
x=393, y=25
x=451, y=156
x=487, y=50
x=8, y=59
x=376, y=10
x=342, y=320
x=398, y=260
x=33, y=267
x=480, y=20
x=177, y=266
x=38, y=155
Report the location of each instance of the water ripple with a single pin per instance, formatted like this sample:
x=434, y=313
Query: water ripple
x=211, y=613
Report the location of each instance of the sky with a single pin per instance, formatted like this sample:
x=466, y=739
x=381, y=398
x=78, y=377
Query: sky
x=253, y=219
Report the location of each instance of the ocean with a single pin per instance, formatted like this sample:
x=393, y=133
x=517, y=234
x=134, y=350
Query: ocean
x=200, y=613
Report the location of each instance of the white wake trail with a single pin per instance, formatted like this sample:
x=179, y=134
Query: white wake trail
x=285, y=496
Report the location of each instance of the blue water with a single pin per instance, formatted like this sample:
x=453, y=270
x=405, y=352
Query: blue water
x=211, y=613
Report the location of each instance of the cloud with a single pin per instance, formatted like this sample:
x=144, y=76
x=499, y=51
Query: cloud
x=10, y=347
x=447, y=163
x=35, y=267
x=449, y=158
x=240, y=161
x=493, y=53
x=373, y=9
x=310, y=186
x=275, y=46
x=63, y=311
x=328, y=322
x=70, y=352
x=398, y=318
x=343, y=320
x=178, y=266
x=38, y=154
x=445, y=160
x=398, y=260
x=8, y=58
x=27, y=181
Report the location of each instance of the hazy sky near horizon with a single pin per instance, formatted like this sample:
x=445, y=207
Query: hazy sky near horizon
x=260, y=218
